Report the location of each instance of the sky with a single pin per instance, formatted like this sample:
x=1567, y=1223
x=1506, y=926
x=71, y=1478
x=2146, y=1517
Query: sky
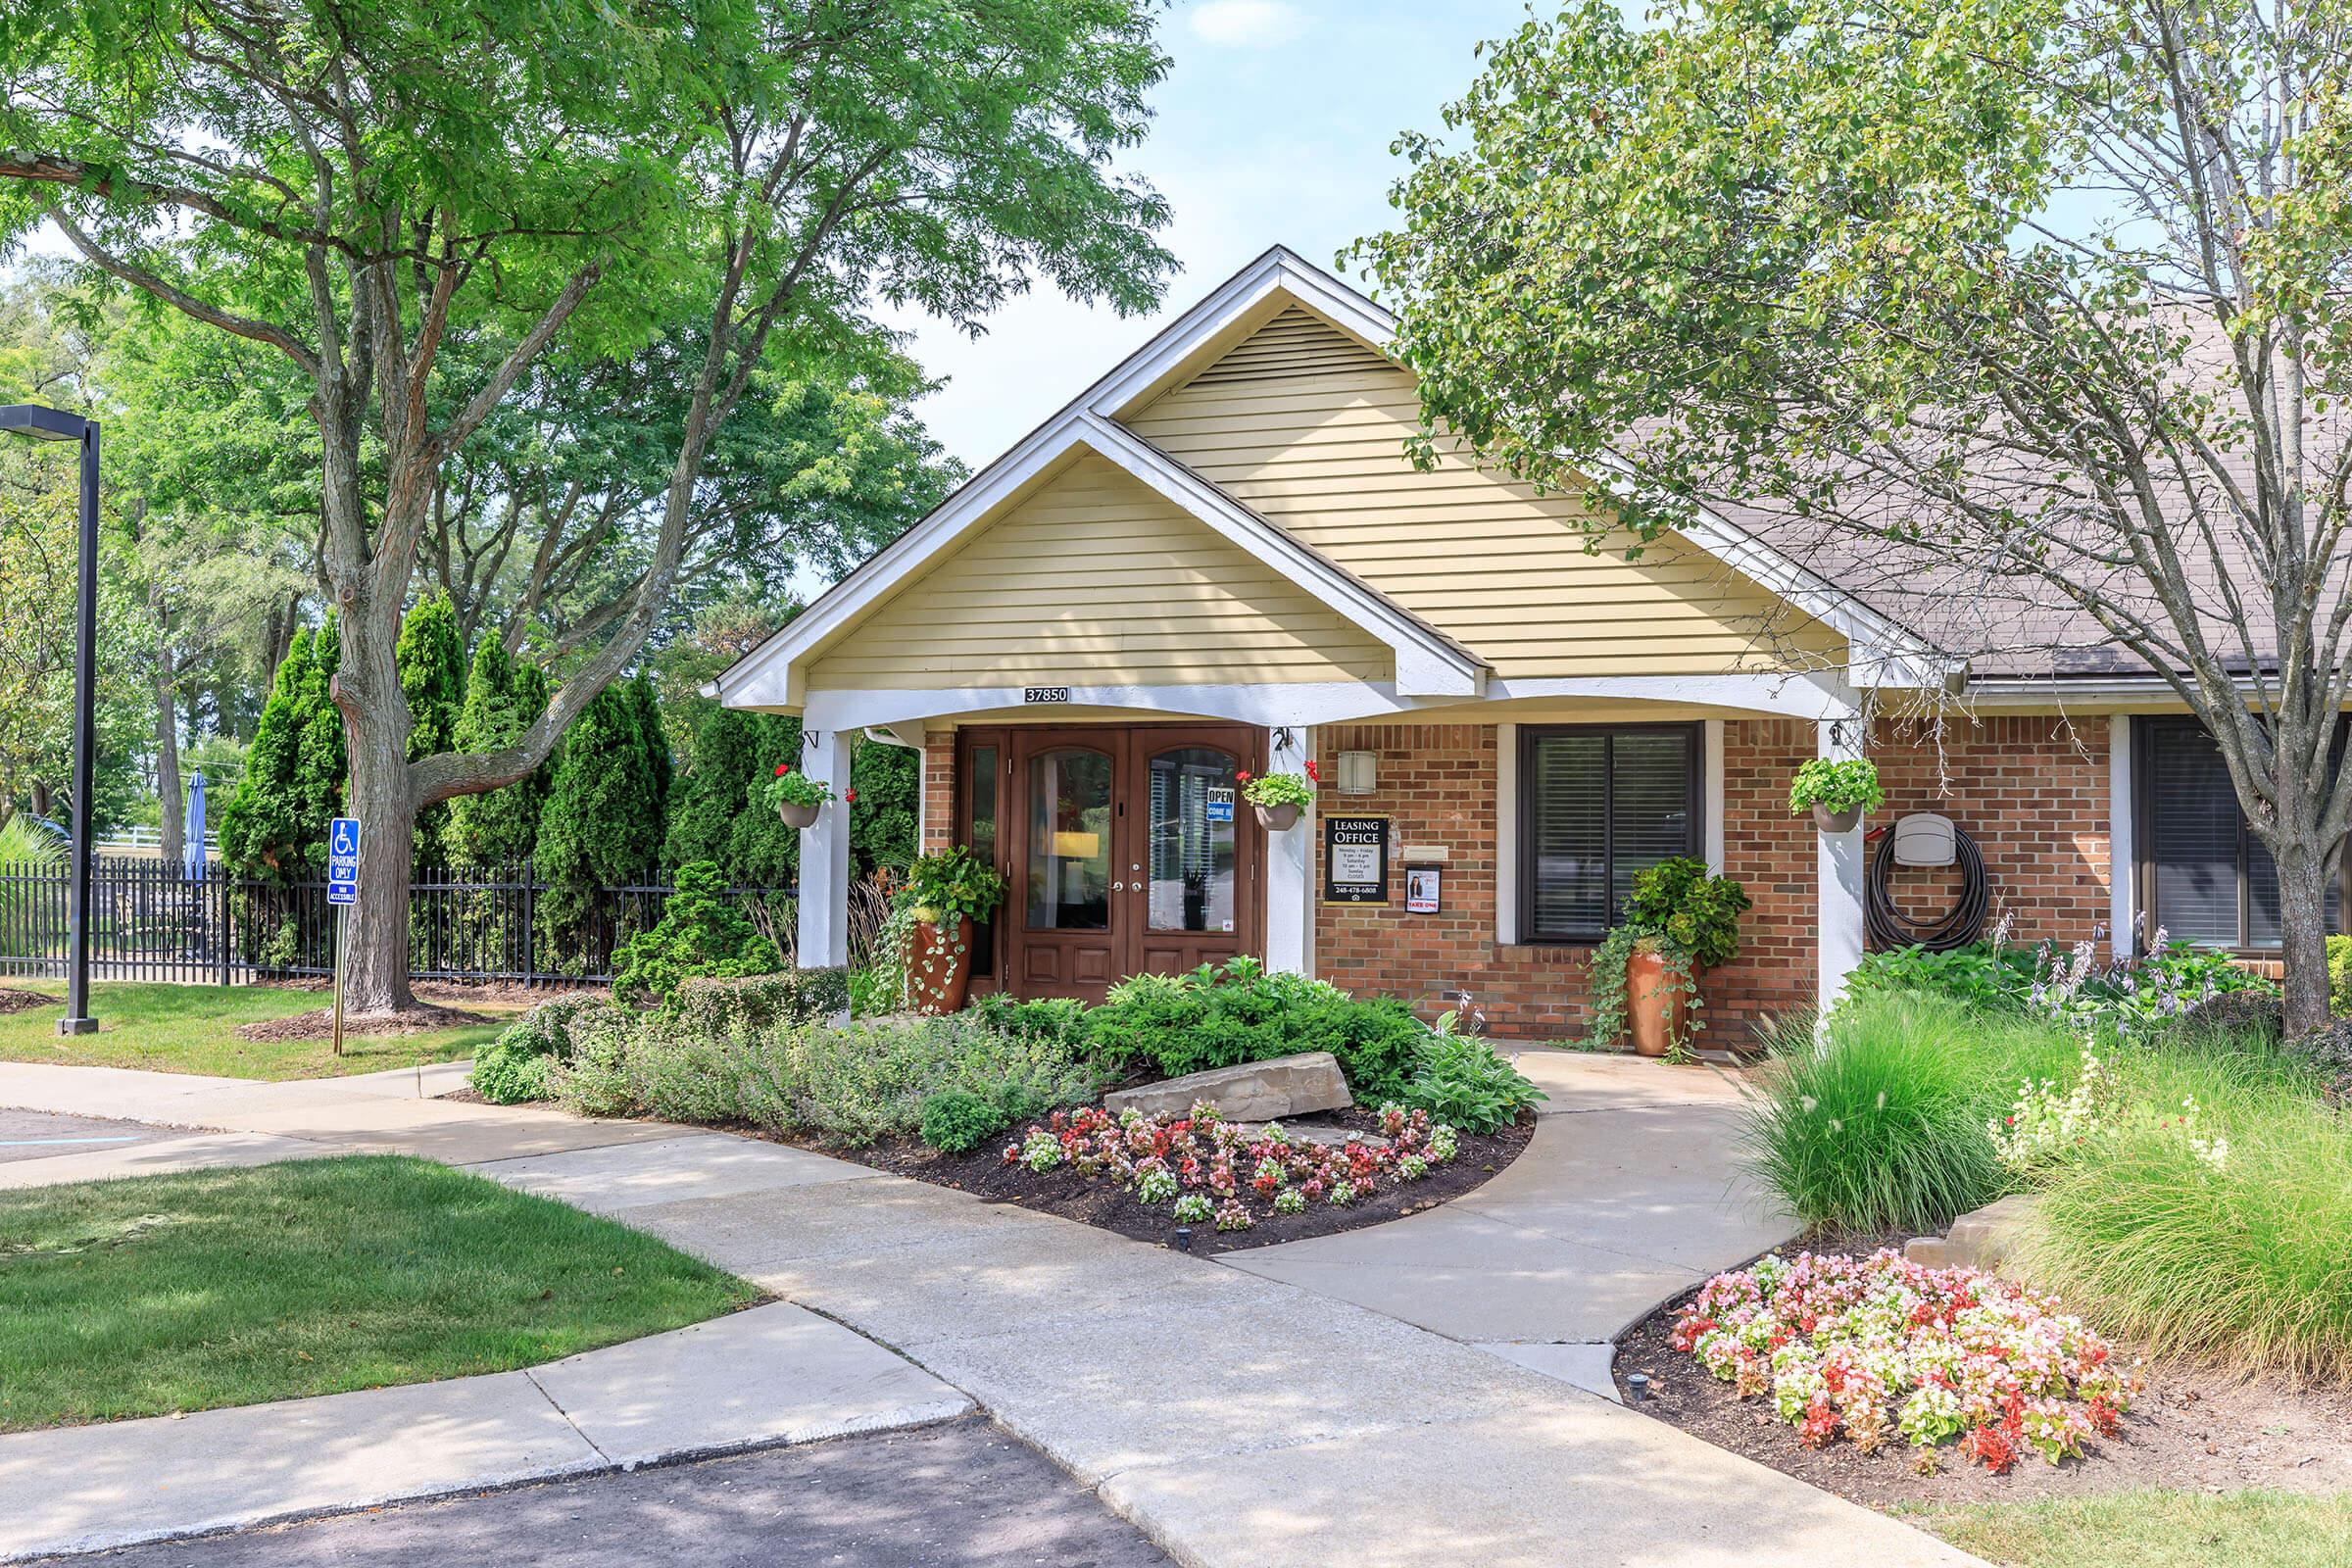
x=1273, y=127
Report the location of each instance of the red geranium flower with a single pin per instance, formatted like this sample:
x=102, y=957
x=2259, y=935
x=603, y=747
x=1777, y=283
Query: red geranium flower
x=1312, y=776
x=783, y=768
x=850, y=797
x=1241, y=777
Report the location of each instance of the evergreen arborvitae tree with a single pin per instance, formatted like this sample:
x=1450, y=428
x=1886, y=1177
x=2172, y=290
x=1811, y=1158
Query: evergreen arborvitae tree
x=710, y=792
x=322, y=769
x=500, y=828
x=889, y=781
x=431, y=658
x=261, y=826
x=600, y=825
x=645, y=709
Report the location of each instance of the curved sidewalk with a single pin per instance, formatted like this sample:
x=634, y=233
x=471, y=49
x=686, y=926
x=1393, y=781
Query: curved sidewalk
x=1629, y=1194
x=1240, y=1421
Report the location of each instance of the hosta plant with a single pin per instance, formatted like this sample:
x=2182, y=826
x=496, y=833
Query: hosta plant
x=1879, y=1348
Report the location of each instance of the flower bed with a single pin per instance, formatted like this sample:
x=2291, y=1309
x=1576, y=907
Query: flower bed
x=1878, y=1349
x=1208, y=1168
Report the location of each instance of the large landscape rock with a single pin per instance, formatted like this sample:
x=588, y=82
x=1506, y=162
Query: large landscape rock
x=1254, y=1091
x=1986, y=1238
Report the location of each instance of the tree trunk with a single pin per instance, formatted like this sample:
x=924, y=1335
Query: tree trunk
x=2304, y=872
x=382, y=796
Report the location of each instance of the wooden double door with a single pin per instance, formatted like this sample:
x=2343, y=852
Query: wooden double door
x=1125, y=850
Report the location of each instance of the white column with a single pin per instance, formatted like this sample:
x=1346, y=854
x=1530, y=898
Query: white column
x=1506, y=834
x=1840, y=866
x=824, y=913
x=2123, y=847
x=1291, y=870
x=1712, y=796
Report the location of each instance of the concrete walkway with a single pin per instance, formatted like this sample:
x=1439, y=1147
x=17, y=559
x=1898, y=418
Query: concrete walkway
x=773, y=1374
x=1628, y=1195
x=1240, y=1420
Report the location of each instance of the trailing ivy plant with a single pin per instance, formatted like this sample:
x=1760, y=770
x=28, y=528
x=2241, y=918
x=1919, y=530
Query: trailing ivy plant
x=1691, y=920
x=1609, y=959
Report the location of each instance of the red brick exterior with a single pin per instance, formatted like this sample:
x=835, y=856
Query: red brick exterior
x=939, y=789
x=2030, y=791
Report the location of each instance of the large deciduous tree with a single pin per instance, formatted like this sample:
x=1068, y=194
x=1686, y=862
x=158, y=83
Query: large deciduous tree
x=361, y=184
x=2029, y=320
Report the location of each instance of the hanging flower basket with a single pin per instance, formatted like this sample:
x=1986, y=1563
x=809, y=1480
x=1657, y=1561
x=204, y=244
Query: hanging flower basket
x=1837, y=793
x=1279, y=797
x=797, y=797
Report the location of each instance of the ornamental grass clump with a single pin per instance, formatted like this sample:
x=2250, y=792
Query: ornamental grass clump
x=2215, y=1224
x=1880, y=1123
x=1879, y=1350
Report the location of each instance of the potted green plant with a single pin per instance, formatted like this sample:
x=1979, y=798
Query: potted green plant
x=947, y=890
x=1838, y=793
x=1279, y=797
x=1678, y=921
x=796, y=797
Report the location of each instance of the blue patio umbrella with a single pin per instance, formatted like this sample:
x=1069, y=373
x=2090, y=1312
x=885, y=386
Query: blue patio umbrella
x=192, y=849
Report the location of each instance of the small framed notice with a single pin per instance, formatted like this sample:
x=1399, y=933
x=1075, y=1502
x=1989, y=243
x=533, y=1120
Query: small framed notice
x=1355, y=858
x=1218, y=803
x=1421, y=889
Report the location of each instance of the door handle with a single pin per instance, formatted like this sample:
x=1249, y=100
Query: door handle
x=1119, y=887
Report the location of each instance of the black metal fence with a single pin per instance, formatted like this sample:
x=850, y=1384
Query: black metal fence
x=153, y=920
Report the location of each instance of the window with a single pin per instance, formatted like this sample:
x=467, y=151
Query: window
x=1597, y=804
x=2204, y=877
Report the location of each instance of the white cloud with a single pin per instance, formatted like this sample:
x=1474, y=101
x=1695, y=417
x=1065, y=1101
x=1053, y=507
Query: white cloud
x=1247, y=23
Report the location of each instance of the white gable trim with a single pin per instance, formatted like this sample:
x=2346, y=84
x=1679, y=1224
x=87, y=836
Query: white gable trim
x=1427, y=665
x=1277, y=271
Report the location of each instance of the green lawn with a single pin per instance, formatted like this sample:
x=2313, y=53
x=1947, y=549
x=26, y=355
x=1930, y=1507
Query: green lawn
x=2152, y=1529
x=194, y=1029
x=218, y=1287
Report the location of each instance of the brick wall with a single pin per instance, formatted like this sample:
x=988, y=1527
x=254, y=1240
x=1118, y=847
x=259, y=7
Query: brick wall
x=2030, y=791
x=939, y=789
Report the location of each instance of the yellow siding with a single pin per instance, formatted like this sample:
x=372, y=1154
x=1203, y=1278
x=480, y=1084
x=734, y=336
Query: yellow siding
x=1098, y=579
x=1308, y=428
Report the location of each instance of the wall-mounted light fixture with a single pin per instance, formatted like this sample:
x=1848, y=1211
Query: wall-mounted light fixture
x=1358, y=773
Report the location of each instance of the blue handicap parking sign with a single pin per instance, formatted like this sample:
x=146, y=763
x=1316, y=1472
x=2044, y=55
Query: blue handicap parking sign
x=343, y=860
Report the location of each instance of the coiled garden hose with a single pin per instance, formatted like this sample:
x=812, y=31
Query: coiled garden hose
x=1956, y=927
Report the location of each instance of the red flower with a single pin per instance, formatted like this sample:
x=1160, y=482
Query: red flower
x=783, y=768
x=1241, y=777
x=1312, y=777
x=850, y=797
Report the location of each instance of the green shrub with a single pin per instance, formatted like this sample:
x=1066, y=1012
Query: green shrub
x=596, y=1077
x=1218, y=1017
x=1062, y=1020
x=1882, y=1125
x=521, y=1064
x=713, y=1006
x=701, y=932
x=2339, y=974
x=956, y=1121
x=1468, y=1082
x=868, y=1081
x=1980, y=974
x=2246, y=1263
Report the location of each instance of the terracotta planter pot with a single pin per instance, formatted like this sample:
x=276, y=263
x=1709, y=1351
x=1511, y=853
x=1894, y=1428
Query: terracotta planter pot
x=1657, y=1013
x=1830, y=822
x=939, y=967
x=1277, y=818
x=796, y=816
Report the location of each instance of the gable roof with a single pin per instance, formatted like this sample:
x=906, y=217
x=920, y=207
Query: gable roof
x=1428, y=661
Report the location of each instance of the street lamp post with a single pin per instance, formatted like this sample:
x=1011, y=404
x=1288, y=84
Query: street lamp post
x=55, y=425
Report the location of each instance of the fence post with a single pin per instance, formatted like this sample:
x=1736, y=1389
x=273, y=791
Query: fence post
x=530, y=920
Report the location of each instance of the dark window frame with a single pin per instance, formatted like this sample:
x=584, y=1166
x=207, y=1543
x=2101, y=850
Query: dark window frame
x=1524, y=852
x=2147, y=729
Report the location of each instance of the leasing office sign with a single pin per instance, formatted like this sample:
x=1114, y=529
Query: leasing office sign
x=1355, y=858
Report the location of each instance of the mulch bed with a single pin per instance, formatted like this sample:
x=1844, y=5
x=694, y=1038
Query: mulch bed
x=2192, y=1428
x=15, y=1001
x=1103, y=1203
x=320, y=1025
x=486, y=993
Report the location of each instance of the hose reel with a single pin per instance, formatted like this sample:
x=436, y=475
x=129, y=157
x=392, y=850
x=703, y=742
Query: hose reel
x=1924, y=838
